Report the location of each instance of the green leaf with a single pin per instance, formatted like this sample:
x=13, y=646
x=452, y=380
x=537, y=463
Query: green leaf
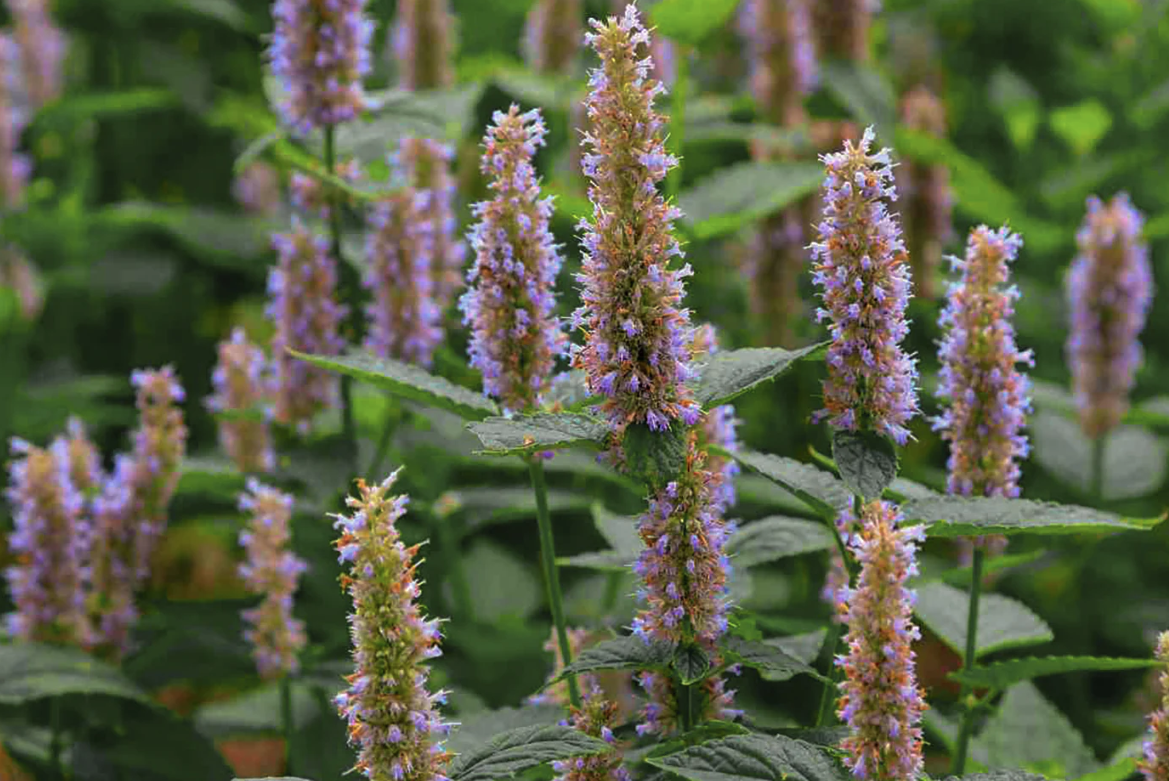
x=603, y=561
x=407, y=381
x=254, y=711
x=425, y=114
x=541, y=431
x=225, y=239
x=627, y=652
x=867, y=461
x=865, y=93
x=99, y=105
x=818, y=489
x=689, y=22
x=728, y=375
x=1018, y=102
x=960, y=576
x=1082, y=125
x=1002, y=622
x=1117, y=771
x=1134, y=459
x=777, y=537
x=478, y=729
x=151, y=744
x=752, y=758
x=741, y=194
x=970, y=516
x=502, y=583
x=33, y=671
x=1028, y=731
x=805, y=647
x=1000, y=775
x=1002, y=675
x=516, y=750
x=654, y=457
x=691, y=662
x=620, y=531
x=771, y=660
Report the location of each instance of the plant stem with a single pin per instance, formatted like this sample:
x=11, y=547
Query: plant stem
x=348, y=287
x=383, y=443
x=459, y=584
x=286, y=723
x=826, y=696
x=1097, y=476
x=678, y=120
x=55, y=737
x=551, y=574
x=687, y=706
x=967, y=728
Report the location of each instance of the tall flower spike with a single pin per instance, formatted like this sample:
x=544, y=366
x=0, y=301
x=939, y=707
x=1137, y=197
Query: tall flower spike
x=114, y=576
x=1155, y=763
x=782, y=56
x=1110, y=290
x=423, y=43
x=301, y=289
x=404, y=321
x=48, y=542
x=257, y=189
x=637, y=335
x=243, y=386
x=926, y=199
x=42, y=50
x=515, y=337
x=662, y=51
x=718, y=427
x=271, y=571
x=552, y=35
x=14, y=166
x=842, y=28
x=880, y=700
x=393, y=720
x=860, y=267
x=596, y=717
x=18, y=274
x=320, y=54
x=425, y=164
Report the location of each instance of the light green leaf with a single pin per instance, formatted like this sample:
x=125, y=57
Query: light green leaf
x=542, y=431
x=1018, y=102
x=602, y=561
x=1082, y=125
x=407, y=381
x=742, y=193
x=1029, y=732
x=867, y=461
x=752, y=758
x=970, y=516
x=777, y=537
x=728, y=375
x=1134, y=459
x=689, y=22
x=1002, y=675
x=254, y=711
x=818, y=489
x=865, y=93
x=620, y=531
x=772, y=661
x=1118, y=771
x=99, y=105
x=502, y=583
x=34, y=671
x=516, y=750
x=1000, y=775
x=1002, y=622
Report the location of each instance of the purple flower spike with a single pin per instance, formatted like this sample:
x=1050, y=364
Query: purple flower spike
x=320, y=54
x=1155, y=763
x=552, y=35
x=258, y=190
x=422, y=40
x=926, y=198
x=42, y=50
x=271, y=571
x=393, y=719
x=782, y=56
x=637, y=335
x=515, y=338
x=15, y=167
x=842, y=28
x=880, y=700
x=1110, y=290
x=860, y=268
x=244, y=384
x=596, y=717
x=18, y=274
x=302, y=304
x=718, y=427
x=662, y=51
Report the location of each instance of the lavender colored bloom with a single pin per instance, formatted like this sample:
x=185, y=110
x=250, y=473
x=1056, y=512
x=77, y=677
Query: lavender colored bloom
x=15, y=167
x=842, y=28
x=422, y=40
x=404, y=321
x=782, y=57
x=864, y=280
x=1155, y=763
x=18, y=274
x=880, y=700
x=718, y=427
x=662, y=52
x=662, y=712
x=257, y=189
x=595, y=717
x=637, y=346
x=302, y=304
x=48, y=543
x=515, y=337
x=319, y=54
x=552, y=35
x=393, y=718
x=926, y=198
x=42, y=50
x=425, y=164
x=1110, y=290
x=243, y=385
x=271, y=571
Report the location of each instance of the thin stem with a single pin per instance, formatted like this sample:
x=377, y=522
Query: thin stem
x=55, y=737
x=688, y=708
x=551, y=575
x=349, y=289
x=1097, y=476
x=286, y=722
x=967, y=728
x=389, y=424
x=678, y=120
x=459, y=583
x=827, y=698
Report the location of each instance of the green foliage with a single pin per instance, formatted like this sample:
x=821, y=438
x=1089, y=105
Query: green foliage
x=1135, y=460
x=727, y=375
x=32, y=671
x=627, y=652
x=541, y=431
x=964, y=516
x=1002, y=622
x=768, y=658
x=517, y=750
x=818, y=489
x=1029, y=732
x=1002, y=675
x=739, y=195
x=690, y=21
x=758, y=757
x=867, y=461
x=776, y=537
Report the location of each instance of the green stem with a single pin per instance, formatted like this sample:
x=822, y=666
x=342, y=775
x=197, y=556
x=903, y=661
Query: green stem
x=967, y=729
x=688, y=708
x=1097, y=475
x=551, y=574
x=459, y=583
x=286, y=722
x=678, y=120
x=827, y=700
x=55, y=737
x=349, y=287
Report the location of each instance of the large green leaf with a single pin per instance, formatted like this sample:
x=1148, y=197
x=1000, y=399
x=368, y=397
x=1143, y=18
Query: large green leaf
x=219, y=237
x=752, y=758
x=519, y=749
x=150, y=745
x=741, y=194
x=777, y=537
x=1117, y=771
x=1002, y=675
x=627, y=652
x=1134, y=459
x=999, y=775
x=407, y=381
x=33, y=671
x=254, y=711
x=865, y=93
x=804, y=647
x=968, y=516
x=867, y=461
x=478, y=729
x=502, y=583
x=1002, y=622
x=818, y=489
x=691, y=662
x=689, y=22
x=1029, y=732
x=541, y=431
x=728, y=375
x=769, y=659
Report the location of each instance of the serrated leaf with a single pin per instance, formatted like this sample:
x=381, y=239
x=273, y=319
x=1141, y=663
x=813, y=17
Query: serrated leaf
x=864, y=92
x=691, y=662
x=770, y=660
x=999, y=775
x=1028, y=731
x=519, y=749
x=969, y=516
x=805, y=646
x=478, y=729
x=1134, y=459
x=752, y=758
x=627, y=652
x=818, y=489
x=34, y=671
x=867, y=461
x=777, y=537
x=727, y=375
x=541, y=431
x=689, y=22
x=743, y=193
x=407, y=381
x=1002, y=622
x=1002, y=675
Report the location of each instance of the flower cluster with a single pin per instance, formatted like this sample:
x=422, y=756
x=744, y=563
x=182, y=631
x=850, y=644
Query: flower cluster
x=637, y=344
x=552, y=35
x=19, y=275
x=662, y=51
x=861, y=270
x=257, y=189
x=320, y=54
x=425, y=165
x=1110, y=288
x=42, y=50
x=114, y=572
x=515, y=338
x=663, y=711
x=404, y=321
x=1155, y=763
x=782, y=56
x=926, y=198
x=392, y=717
x=422, y=39
x=243, y=384
x=596, y=717
x=842, y=28
x=718, y=427
x=14, y=166
x=301, y=289
x=880, y=700
x=271, y=571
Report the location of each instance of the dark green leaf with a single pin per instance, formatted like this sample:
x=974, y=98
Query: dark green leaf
x=407, y=381
x=805, y=647
x=772, y=661
x=752, y=758
x=1028, y=731
x=829, y=737
x=1002, y=675
x=969, y=516
x=728, y=375
x=628, y=652
x=960, y=576
x=502, y=583
x=478, y=729
x=816, y=488
x=151, y=745
x=777, y=537
x=999, y=775
x=99, y=105
x=32, y=671
x=654, y=457
x=541, y=431
x=743, y=193
x=516, y=750
x=689, y=22
x=692, y=663
x=220, y=237
x=867, y=461
x=1117, y=771
x=1002, y=622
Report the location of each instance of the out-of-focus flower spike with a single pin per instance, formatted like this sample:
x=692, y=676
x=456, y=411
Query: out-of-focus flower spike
x=552, y=35
x=42, y=50
x=1154, y=765
x=782, y=56
x=718, y=427
x=423, y=43
x=258, y=190
x=243, y=386
x=15, y=167
x=18, y=274
x=926, y=198
x=842, y=28
x=596, y=717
